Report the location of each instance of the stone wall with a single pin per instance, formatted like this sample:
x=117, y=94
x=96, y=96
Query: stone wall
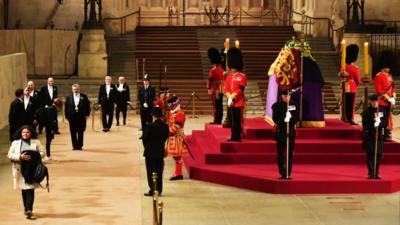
x=13, y=75
x=36, y=13
x=45, y=49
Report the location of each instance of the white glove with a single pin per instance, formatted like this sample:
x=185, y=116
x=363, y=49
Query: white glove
x=128, y=102
x=145, y=105
x=208, y=91
x=376, y=124
x=377, y=120
x=288, y=116
x=392, y=101
x=230, y=102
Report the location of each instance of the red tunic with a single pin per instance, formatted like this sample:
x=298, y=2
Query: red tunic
x=175, y=145
x=234, y=85
x=215, y=80
x=384, y=83
x=353, y=80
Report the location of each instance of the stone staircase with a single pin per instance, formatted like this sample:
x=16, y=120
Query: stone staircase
x=121, y=51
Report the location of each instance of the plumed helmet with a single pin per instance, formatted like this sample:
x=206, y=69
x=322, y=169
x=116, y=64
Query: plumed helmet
x=351, y=53
x=214, y=55
x=146, y=77
x=386, y=60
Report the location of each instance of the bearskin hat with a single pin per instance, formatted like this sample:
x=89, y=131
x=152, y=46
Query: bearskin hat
x=386, y=60
x=351, y=53
x=235, y=59
x=157, y=112
x=214, y=55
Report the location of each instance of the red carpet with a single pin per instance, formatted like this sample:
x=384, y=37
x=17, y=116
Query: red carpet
x=327, y=160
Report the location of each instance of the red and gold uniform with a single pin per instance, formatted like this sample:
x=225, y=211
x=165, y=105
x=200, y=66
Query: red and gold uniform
x=176, y=146
x=215, y=87
x=234, y=91
x=384, y=86
x=352, y=81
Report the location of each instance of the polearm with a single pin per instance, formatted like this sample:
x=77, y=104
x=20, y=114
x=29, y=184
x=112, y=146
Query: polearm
x=376, y=144
x=288, y=133
x=287, y=140
x=187, y=147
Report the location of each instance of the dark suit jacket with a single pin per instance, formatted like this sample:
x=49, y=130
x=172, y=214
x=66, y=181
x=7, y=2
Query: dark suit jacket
x=154, y=138
x=123, y=96
x=44, y=96
x=36, y=94
x=147, y=96
x=77, y=118
x=30, y=112
x=278, y=116
x=16, y=115
x=102, y=98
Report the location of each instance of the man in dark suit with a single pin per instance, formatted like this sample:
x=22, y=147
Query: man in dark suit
x=284, y=112
x=34, y=93
x=146, y=97
x=77, y=111
x=154, y=138
x=374, y=124
x=123, y=97
x=17, y=113
x=46, y=98
x=30, y=107
x=107, y=96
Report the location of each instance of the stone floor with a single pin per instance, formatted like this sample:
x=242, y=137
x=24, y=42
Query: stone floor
x=105, y=183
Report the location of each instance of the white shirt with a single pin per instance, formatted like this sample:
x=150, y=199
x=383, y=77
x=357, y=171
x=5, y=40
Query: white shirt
x=26, y=102
x=145, y=87
x=32, y=92
x=50, y=88
x=108, y=88
x=121, y=87
x=77, y=98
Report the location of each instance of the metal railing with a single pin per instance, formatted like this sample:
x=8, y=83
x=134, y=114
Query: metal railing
x=384, y=42
x=123, y=21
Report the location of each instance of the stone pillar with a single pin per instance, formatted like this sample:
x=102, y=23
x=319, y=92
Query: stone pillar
x=92, y=59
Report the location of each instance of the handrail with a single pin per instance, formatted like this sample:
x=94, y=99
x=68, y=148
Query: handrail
x=123, y=19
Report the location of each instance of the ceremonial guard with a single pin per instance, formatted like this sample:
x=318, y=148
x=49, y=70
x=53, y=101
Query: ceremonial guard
x=154, y=138
x=146, y=98
x=384, y=86
x=46, y=98
x=235, y=84
x=16, y=115
x=176, y=144
x=77, y=111
x=107, y=96
x=373, y=123
x=284, y=115
x=123, y=99
x=215, y=84
x=352, y=81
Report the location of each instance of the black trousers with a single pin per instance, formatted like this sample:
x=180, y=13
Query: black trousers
x=145, y=117
x=28, y=197
x=218, y=107
x=281, y=153
x=49, y=137
x=155, y=165
x=118, y=110
x=76, y=136
x=107, y=111
x=236, y=118
x=371, y=161
x=349, y=106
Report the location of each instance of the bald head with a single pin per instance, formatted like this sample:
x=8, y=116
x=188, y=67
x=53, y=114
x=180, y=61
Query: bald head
x=31, y=85
x=50, y=81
